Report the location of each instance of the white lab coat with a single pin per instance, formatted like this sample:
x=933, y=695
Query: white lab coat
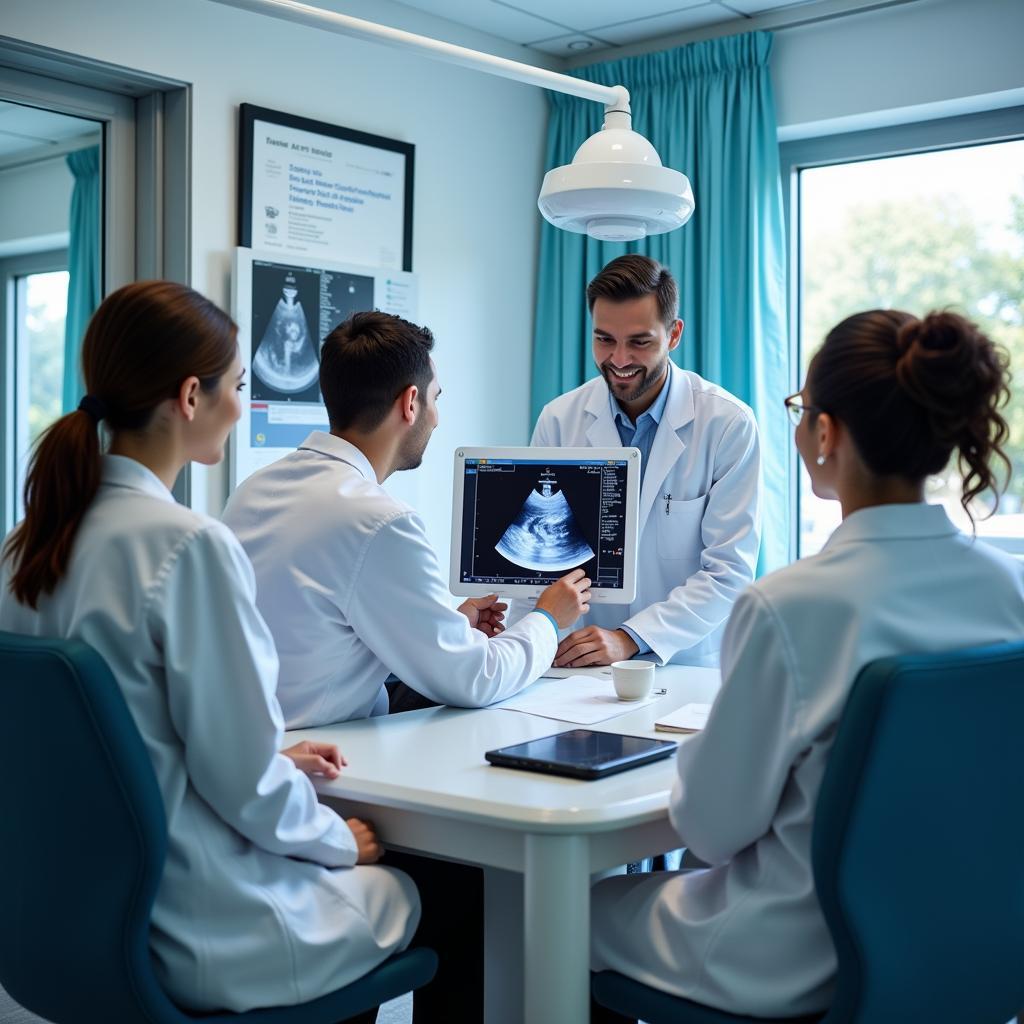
x=259, y=904
x=699, y=525
x=352, y=592
x=747, y=935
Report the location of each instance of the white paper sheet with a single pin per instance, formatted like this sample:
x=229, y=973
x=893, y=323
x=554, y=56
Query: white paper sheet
x=580, y=699
x=574, y=673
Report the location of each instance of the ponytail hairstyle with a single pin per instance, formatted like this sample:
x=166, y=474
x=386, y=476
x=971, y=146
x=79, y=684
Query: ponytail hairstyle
x=142, y=343
x=912, y=391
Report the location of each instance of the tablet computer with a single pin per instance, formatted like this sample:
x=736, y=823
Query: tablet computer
x=581, y=753
x=523, y=517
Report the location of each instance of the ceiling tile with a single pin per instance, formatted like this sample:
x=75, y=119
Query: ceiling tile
x=752, y=7
x=13, y=144
x=502, y=20
x=562, y=46
x=643, y=29
x=585, y=15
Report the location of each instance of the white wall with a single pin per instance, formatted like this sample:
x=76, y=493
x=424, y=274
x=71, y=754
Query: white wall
x=35, y=201
x=478, y=144
x=933, y=58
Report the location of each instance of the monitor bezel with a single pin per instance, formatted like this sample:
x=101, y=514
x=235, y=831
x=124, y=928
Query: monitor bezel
x=611, y=595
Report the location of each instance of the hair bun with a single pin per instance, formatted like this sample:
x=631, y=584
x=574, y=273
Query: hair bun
x=947, y=365
x=960, y=378
x=907, y=334
x=942, y=332
x=912, y=391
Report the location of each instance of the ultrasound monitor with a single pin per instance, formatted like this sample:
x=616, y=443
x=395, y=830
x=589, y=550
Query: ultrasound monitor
x=523, y=517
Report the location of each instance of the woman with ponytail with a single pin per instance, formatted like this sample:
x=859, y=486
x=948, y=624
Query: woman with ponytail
x=261, y=903
x=888, y=401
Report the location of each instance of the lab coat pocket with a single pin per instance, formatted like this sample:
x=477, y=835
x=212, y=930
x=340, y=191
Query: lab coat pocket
x=679, y=523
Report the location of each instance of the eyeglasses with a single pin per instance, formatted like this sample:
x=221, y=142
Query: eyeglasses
x=796, y=409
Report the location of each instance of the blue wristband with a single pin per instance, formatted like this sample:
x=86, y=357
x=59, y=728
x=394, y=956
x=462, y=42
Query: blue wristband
x=547, y=615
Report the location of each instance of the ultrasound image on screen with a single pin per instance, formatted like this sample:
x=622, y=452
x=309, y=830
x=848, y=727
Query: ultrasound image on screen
x=545, y=535
x=530, y=521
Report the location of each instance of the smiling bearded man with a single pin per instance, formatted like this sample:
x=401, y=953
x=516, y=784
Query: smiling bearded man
x=699, y=527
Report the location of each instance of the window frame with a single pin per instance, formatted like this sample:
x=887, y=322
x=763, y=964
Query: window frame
x=1002, y=125
x=146, y=156
x=12, y=268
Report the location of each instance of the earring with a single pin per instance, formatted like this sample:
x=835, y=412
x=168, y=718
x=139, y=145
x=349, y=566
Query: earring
x=820, y=460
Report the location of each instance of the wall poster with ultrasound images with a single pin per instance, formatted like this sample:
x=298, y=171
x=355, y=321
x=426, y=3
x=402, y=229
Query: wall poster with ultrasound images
x=527, y=522
x=284, y=310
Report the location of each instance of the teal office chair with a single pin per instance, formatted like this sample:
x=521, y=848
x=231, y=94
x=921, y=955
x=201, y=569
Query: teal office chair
x=928, y=751
x=83, y=851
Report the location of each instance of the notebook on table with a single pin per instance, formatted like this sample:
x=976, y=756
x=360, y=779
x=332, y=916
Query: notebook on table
x=689, y=718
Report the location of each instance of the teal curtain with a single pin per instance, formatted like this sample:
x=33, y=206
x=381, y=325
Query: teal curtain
x=83, y=266
x=709, y=112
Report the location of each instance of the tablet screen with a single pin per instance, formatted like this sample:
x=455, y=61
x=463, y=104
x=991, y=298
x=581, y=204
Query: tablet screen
x=582, y=749
x=581, y=746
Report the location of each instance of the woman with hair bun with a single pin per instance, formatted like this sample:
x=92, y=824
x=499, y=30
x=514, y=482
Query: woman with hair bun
x=260, y=903
x=888, y=400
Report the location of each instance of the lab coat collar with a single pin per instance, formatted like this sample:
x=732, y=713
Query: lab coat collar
x=601, y=431
x=655, y=412
x=338, y=448
x=668, y=446
x=121, y=471
x=679, y=408
x=677, y=412
x=893, y=522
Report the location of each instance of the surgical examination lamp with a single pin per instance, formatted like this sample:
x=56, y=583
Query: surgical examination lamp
x=616, y=188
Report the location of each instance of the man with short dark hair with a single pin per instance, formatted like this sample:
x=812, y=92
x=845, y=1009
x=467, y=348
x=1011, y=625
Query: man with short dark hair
x=352, y=592
x=345, y=576
x=699, y=526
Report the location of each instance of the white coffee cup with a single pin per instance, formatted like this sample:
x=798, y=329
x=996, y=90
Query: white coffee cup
x=633, y=680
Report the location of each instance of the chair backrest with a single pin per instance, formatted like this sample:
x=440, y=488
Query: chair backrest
x=84, y=838
x=918, y=846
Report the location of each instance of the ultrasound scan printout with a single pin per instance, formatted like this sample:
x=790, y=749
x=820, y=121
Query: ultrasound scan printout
x=286, y=357
x=293, y=310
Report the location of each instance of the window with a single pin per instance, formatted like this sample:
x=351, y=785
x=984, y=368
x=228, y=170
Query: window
x=40, y=306
x=146, y=194
x=938, y=227
x=36, y=296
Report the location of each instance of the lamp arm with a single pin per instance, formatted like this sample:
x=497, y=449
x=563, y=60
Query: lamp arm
x=614, y=97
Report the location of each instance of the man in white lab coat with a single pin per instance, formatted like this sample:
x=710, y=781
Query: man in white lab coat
x=346, y=579
x=699, y=526
x=352, y=592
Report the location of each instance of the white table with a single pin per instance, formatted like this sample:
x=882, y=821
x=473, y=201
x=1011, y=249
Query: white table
x=421, y=778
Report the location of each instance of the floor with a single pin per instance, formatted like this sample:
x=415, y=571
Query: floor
x=399, y=1011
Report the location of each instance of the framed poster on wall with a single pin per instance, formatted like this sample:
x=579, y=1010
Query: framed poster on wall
x=318, y=191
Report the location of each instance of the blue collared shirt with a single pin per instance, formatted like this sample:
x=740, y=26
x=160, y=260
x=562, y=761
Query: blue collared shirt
x=640, y=435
